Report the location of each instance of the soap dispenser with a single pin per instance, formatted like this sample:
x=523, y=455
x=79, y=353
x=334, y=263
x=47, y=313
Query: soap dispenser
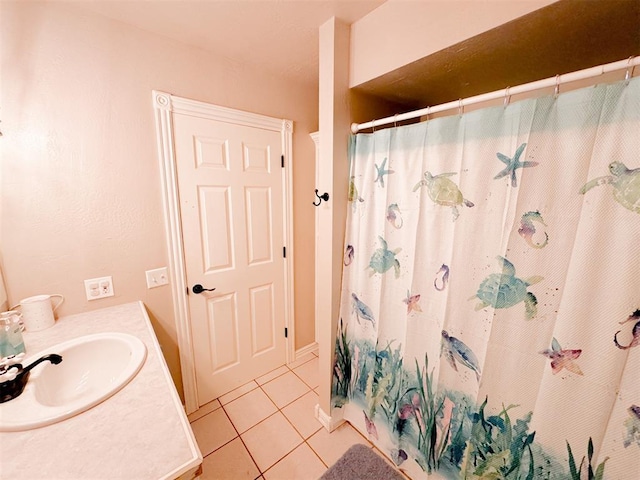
x=11, y=342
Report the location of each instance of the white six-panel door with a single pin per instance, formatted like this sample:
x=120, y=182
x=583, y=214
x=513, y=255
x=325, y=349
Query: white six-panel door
x=230, y=186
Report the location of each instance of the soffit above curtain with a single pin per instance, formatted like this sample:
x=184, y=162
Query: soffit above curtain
x=560, y=38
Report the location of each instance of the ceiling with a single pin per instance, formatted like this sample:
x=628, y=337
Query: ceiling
x=563, y=37
x=280, y=37
x=277, y=36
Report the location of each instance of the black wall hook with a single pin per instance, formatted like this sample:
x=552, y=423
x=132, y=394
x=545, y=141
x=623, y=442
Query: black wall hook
x=324, y=196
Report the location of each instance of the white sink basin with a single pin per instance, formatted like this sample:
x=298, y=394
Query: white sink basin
x=93, y=368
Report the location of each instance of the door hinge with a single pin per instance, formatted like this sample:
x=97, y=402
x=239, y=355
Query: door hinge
x=282, y=160
x=284, y=252
x=286, y=332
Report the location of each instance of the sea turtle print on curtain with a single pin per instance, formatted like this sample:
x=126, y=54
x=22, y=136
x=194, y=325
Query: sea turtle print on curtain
x=443, y=191
x=384, y=259
x=625, y=182
x=504, y=343
x=504, y=290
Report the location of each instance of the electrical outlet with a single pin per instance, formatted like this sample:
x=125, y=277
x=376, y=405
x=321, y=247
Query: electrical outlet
x=157, y=277
x=96, y=288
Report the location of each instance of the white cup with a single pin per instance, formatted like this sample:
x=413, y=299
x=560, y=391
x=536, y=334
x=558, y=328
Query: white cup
x=37, y=312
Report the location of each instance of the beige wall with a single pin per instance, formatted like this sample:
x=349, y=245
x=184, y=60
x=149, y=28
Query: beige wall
x=4, y=305
x=400, y=32
x=333, y=175
x=80, y=177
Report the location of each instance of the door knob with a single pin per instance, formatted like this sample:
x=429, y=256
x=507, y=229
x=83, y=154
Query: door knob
x=197, y=288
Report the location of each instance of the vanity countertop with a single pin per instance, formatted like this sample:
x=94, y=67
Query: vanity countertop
x=139, y=433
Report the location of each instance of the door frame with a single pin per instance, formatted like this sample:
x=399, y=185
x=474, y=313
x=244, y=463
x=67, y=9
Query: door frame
x=165, y=105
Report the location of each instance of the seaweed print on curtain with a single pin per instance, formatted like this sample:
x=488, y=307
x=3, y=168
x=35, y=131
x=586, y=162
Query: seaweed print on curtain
x=490, y=311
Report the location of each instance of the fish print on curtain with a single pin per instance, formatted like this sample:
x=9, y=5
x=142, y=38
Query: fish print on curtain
x=490, y=312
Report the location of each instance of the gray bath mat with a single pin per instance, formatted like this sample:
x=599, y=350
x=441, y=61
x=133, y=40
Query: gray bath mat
x=361, y=463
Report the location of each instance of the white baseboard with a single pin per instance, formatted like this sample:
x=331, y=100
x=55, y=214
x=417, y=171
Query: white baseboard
x=327, y=421
x=311, y=348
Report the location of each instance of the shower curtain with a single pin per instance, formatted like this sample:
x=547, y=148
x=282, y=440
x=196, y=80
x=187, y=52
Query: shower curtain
x=490, y=308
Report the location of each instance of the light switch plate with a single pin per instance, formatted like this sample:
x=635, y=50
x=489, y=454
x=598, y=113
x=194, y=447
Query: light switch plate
x=157, y=277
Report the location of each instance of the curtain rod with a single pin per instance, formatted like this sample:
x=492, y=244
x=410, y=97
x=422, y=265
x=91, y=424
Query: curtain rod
x=556, y=81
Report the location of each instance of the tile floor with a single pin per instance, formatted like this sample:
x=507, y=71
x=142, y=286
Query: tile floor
x=267, y=429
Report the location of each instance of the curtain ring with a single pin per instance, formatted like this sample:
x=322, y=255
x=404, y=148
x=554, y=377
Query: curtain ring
x=395, y=123
x=507, y=97
x=630, y=69
x=556, y=90
x=460, y=107
x=373, y=126
x=428, y=110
